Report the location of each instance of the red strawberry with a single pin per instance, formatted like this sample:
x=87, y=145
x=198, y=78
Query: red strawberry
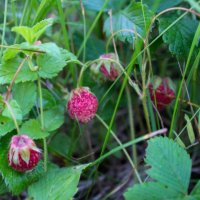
x=109, y=69
x=82, y=105
x=162, y=92
x=23, y=153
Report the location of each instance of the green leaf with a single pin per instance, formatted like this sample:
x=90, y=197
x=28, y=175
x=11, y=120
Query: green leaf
x=6, y=125
x=16, y=181
x=33, y=129
x=53, y=118
x=131, y=18
x=53, y=61
x=196, y=190
x=170, y=164
x=24, y=47
x=60, y=144
x=9, y=68
x=25, y=32
x=25, y=94
x=40, y=27
x=32, y=34
x=160, y=5
x=180, y=36
x=13, y=108
x=150, y=191
x=96, y=5
x=3, y=188
x=48, y=99
x=190, y=129
x=57, y=184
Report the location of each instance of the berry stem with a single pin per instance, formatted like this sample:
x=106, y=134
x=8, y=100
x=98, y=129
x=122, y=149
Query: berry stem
x=42, y=124
x=13, y=116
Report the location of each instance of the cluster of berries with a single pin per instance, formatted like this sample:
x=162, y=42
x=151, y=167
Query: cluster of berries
x=82, y=106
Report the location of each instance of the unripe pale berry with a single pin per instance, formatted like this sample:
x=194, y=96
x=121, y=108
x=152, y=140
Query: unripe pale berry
x=162, y=92
x=82, y=105
x=23, y=153
x=109, y=69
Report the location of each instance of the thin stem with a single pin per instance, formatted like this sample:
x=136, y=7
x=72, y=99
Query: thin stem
x=131, y=122
x=4, y=25
x=13, y=116
x=42, y=124
x=84, y=30
x=182, y=81
x=137, y=140
x=14, y=78
x=123, y=149
x=92, y=27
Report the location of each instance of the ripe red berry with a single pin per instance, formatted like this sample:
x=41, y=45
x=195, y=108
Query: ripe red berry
x=23, y=153
x=82, y=105
x=162, y=92
x=109, y=69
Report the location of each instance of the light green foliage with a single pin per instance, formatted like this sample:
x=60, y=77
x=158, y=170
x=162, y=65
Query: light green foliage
x=16, y=181
x=170, y=167
x=96, y=5
x=190, y=129
x=180, y=36
x=25, y=95
x=9, y=68
x=6, y=125
x=53, y=61
x=53, y=118
x=33, y=129
x=14, y=109
x=57, y=184
x=159, y=5
x=131, y=18
x=50, y=64
x=32, y=34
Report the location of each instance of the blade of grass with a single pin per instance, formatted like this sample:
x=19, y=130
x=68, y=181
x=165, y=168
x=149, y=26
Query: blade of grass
x=197, y=34
x=92, y=27
x=123, y=149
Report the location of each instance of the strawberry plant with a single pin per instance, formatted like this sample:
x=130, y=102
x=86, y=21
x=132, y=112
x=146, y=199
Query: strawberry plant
x=99, y=100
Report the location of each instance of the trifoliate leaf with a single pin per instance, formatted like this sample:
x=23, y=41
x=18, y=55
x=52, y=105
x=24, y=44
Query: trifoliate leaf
x=57, y=184
x=170, y=164
x=16, y=181
x=33, y=129
x=129, y=19
x=25, y=94
x=180, y=36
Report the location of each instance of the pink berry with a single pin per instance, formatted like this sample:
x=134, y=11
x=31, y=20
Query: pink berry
x=23, y=153
x=82, y=105
x=109, y=69
x=162, y=92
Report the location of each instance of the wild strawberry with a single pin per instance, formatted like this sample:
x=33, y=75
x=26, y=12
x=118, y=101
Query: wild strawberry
x=109, y=69
x=23, y=153
x=82, y=105
x=162, y=92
